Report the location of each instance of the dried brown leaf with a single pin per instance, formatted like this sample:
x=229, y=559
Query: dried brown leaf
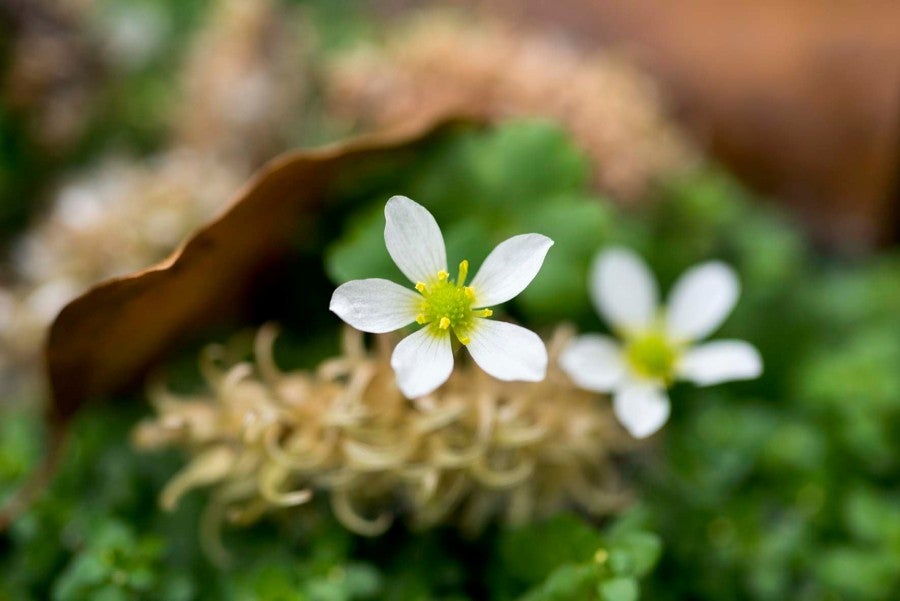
x=106, y=338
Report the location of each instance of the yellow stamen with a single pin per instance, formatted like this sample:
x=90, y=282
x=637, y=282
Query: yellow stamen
x=447, y=305
x=463, y=272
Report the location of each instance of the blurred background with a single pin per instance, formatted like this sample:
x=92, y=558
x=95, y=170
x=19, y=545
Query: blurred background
x=800, y=98
x=125, y=124
x=114, y=112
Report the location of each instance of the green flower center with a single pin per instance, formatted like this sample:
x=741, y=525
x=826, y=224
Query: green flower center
x=447, y=304
x=652, y=356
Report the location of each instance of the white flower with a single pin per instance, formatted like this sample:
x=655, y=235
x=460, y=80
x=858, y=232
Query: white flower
x=423, y=361
x=658, y=346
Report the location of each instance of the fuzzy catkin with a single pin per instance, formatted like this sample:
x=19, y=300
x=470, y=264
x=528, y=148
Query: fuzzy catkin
x=475, y=450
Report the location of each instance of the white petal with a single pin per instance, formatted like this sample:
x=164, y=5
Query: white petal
x=375, y=305
x=701, y=300
x=413, y=239
x=593, y=362
x=721, y=361
x=510, y=268
x=642, y=408
x=422, y=362
x=623, y=289
x=507, y=351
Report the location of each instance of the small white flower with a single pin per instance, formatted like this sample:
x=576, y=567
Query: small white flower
x=423, y=361
x=658, y=346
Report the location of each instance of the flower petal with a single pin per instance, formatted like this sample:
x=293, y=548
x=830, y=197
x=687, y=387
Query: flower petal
x=701, y=300
x=593, y=362
x=510, y=268
x=507, y=351
x=413, y=239
x=642, y=408
x=623, y=289
x=375, y=305
x=422, y=362
x=721, y=361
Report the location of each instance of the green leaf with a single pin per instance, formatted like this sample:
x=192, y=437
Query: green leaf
x=524, y=162
x=361, y=253
x=619, y=589
x=642, y=550
x=566, y=583
x=531, y=553
x=859, y=573
x=873, y=516
x=579, y=226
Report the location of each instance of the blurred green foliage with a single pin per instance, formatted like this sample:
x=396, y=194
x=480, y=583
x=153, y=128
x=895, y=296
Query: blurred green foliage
x=565, y=558
x=114, y=564
x=98, y=535
x=787, y=487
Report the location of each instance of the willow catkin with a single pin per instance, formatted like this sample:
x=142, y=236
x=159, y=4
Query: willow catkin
x=475, y=450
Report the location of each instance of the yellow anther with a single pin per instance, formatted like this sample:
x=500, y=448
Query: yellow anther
x=446, y=305
x=601, y=556
x=463, y=272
